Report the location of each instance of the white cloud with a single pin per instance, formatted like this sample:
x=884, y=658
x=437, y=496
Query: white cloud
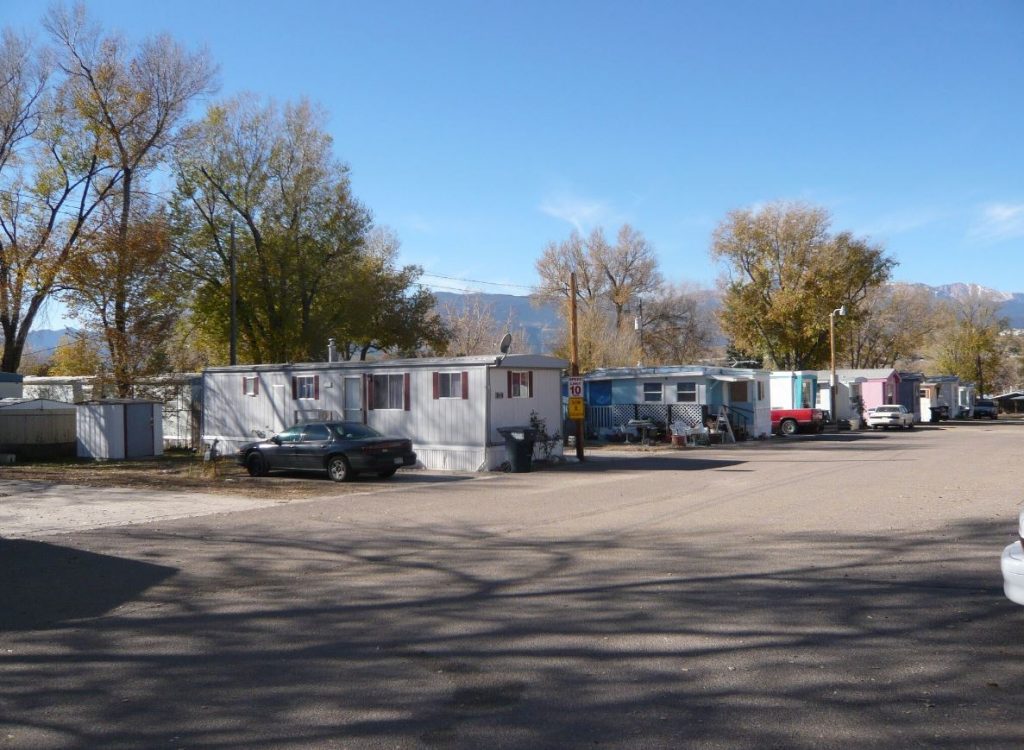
x=900, y=222
x=583, y=213
x=999, y=222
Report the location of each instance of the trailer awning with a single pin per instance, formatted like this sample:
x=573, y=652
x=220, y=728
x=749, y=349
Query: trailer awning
x=731, y=378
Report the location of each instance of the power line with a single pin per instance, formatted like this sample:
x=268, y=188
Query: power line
x=478, y=281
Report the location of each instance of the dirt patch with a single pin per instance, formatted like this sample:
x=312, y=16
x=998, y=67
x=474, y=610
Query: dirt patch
x=183, y=472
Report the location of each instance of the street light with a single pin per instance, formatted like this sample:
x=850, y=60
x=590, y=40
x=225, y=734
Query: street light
x=841, y=310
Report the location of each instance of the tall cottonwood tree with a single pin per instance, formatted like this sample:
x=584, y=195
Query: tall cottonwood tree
x=134, y=98
x=784, y=273
x=54, y=174
x=134, y=317
x=309, y=265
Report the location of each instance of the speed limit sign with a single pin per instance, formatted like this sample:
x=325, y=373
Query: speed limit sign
x=575, y=387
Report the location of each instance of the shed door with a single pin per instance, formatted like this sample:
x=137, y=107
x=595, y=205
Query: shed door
x=353, y=405
x=138, y=430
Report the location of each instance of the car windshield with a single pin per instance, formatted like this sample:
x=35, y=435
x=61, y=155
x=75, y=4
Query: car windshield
x=887, y=408
x=353, y=431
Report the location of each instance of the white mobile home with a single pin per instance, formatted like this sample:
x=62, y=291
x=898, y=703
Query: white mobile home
x=794, y=389
x=451, y=408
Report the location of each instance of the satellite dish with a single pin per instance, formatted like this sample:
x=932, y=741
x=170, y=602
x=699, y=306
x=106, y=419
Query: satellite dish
x=506, y=343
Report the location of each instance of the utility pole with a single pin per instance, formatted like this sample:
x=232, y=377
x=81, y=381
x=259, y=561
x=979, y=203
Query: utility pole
x=574, y=362
x=233, y=356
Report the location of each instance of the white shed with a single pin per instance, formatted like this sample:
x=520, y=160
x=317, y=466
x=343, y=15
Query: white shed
x=451, y=408
x=119, y=429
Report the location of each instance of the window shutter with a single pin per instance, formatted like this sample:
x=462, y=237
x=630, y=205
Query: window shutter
x=405, y=385
x=437, y=385
x=369, y=391
x=256, y=386
x=316, y=387
x=529, y=376
x=465, y=384
x=295, y=388
x=508, y=393
x=243, y=385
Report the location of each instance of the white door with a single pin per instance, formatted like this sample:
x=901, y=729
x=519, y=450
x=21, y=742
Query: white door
x=353, y=403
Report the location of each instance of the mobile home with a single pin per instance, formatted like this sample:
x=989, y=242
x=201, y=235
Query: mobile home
x=451, y=408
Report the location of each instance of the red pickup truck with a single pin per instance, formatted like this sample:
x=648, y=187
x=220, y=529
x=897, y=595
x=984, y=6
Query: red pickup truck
x=791, y=421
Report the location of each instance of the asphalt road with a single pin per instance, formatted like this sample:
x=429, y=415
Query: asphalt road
x=828, y=591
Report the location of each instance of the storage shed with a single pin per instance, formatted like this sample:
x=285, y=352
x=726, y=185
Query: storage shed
x=37, y=428
x=451, y=408
x=119, y=429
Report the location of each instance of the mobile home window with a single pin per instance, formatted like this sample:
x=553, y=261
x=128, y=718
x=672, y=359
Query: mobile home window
x=652, y=392
x=450, y=385
x=250, y=385
x=760, y=391
x=306, y=386
x=520, y=384
x=686, y=393
x=389, y=391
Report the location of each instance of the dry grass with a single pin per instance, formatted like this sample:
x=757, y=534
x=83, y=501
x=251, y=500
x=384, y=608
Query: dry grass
x=180, y=471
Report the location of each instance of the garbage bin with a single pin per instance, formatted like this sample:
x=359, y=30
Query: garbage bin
x=519, y=447
x=936, y=413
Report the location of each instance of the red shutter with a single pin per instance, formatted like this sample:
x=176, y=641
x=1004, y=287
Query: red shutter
x=316, y=387
x=295, y=388
x=256, y=386
x=530, y=378
x=465, y=384
x=509, y=393
x=243, y=386
x=437, y=385
x=369, y=392
x=408, y=404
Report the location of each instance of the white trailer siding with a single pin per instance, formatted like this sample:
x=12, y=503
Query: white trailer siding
x=451, y=430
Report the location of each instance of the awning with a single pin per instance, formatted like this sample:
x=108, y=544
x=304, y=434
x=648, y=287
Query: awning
x=731, y=378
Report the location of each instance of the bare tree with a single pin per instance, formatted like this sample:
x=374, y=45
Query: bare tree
x=135, y=99
x=897, y=325
x=677, y=325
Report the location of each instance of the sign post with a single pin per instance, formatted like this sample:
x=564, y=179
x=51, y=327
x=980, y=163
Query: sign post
x=577, y=411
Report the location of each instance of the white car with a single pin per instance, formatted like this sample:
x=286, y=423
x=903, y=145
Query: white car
x=891, y=415
x=1013, y=567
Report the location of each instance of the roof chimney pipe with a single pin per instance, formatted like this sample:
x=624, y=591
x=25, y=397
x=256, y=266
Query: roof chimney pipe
x=332, y=351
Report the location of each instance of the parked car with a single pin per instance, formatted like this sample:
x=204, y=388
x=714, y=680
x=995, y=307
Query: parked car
x=890, y=415
x=1013, y=566
x=986, y=407
x=342, y=449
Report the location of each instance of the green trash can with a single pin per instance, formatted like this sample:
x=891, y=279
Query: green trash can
x=519, y=447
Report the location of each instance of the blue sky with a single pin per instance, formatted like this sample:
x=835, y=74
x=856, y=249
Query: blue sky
x=481, y=131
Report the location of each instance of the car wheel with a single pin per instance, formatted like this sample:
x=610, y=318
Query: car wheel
x=387, y=473
x=788, y=427
x=338, y=469
x=910, y=426
x=256, y=465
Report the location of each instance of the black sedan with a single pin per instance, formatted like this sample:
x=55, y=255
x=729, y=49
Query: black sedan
x=342, y=449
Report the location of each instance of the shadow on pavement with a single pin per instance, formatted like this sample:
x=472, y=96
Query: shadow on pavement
x=384, y=636
x=42, y=585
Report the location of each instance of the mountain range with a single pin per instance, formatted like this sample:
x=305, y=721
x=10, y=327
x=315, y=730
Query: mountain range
x=539, y=323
